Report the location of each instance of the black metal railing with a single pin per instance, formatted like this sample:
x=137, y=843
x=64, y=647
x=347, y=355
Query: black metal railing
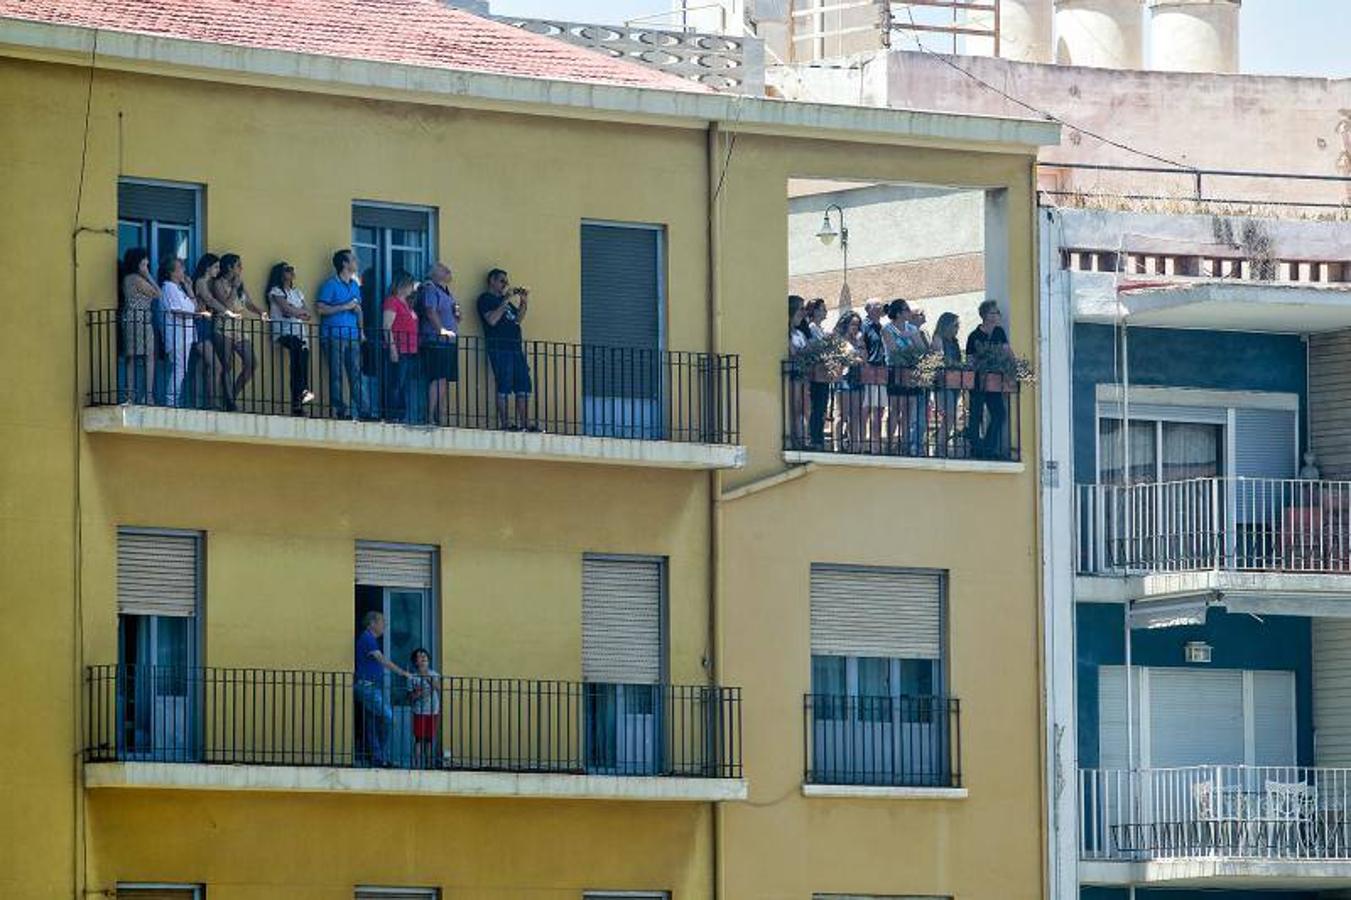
x=573, y=389
x=881, y=411
x=906, y=741
x=301, y=718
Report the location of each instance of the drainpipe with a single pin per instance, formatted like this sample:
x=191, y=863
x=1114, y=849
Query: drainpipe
x=714, y=156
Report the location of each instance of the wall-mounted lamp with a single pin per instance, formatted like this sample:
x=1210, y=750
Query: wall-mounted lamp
x=827, y=235
x=1196, y=652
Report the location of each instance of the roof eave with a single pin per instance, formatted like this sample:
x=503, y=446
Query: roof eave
x=125, y=51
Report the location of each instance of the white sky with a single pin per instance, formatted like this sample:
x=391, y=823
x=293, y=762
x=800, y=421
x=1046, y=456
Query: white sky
x=1278, y=37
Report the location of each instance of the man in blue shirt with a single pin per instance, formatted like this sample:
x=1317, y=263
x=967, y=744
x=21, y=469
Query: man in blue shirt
x=369, y=688
x=340, y=334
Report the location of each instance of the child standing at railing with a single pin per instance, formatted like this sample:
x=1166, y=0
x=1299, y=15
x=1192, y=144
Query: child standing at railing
x=424, y=696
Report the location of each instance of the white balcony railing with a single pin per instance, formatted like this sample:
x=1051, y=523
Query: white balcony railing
x=1229, y=524
x=1234, y=812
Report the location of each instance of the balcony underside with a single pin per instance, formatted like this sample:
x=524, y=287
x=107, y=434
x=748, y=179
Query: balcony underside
x=381, y=437
x=1221, y=874
x=403, y=782
x=1270, y=593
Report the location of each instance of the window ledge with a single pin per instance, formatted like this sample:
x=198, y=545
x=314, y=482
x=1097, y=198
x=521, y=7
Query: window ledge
x=341, y=434
x=863, y=460
x=882, y=792
x=403, y=782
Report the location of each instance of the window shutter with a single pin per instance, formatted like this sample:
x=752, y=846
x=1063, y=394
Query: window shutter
x=868, y=611
x=1112, y=750
x=157, y=573
x=393, y=565
x=621, y=619
x=1195, y=717
x=391, y=217
x=1332, y=692
x=158, y=893
x=1264, y=443
x=621, y=295
x=1273, y=706
x=377, y=893
x=159, y=202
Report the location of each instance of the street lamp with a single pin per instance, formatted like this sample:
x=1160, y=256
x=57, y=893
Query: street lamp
x=827, y=235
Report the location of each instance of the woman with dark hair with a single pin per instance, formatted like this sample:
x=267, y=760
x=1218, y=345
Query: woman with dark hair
x=138, y=325
x=945, y=342
x=798, y=336
x=290, y=329
x=229, y=299
x=180, y=312
x=208, y=371
x=818, y=388
x=401, y=340
x=849, y=389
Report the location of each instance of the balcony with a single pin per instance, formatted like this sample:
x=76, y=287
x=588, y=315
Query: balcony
x=882, y=746
x=892, y=421
x=257, y=729
x=1216, y=826
x=1288, y=540
x=594, y=404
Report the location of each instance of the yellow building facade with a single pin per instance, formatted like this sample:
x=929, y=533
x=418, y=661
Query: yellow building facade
x=280, y=151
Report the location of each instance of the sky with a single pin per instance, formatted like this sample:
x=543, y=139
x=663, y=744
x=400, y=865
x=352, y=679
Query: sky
x=1278, y=37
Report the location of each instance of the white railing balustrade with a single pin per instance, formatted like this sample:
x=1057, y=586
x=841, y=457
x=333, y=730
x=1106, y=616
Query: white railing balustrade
x=1235, y=812
x=1229, y=524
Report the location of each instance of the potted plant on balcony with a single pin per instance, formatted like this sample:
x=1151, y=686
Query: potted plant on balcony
x=905, y=362
x=998, y=370
x=827, y=359
x=933, y=369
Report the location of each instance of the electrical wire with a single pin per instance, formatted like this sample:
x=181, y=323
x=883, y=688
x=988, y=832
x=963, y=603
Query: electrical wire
x=901, y=29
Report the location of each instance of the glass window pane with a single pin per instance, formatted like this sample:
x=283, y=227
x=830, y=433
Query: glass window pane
x=129, y=235
x=828, y=687
x=407, y=625
x=406, y=237
x=1143, y=452
x=364, y=235
x=172, y=239
x=917, y=677
x=874, y=677
x=414, y=262
x=1191, y=450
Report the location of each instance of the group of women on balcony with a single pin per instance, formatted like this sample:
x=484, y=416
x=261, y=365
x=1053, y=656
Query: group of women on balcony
x=888, y=387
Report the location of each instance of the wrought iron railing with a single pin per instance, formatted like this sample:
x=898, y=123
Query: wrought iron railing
x=1228, y=524
x=306, y=718
x=881, y=411
x=904, y=741
x=573, y=389
x=1239, y=812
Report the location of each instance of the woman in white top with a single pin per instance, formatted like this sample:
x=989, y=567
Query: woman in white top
x=180, y=325
x=290, y=329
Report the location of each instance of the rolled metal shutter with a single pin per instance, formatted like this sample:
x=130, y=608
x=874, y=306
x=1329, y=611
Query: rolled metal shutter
x=1112, y=740
x=391, y=217
x=157, y=573
x=395, y=565
x=621, y=619
x=621, y=287
x=873, y=611
x=159, y=893
x=158, y=202
x=364, y=893
x=1195, y=717
x=1273, y=708
x=1332, y=692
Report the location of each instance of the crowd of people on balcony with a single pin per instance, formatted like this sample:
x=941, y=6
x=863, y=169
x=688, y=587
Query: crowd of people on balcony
x=878, y=383
x=187, y=339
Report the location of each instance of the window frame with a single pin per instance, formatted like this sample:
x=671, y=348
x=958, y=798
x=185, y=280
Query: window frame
x=196, y=228
x=663, y=270
x=198, y=890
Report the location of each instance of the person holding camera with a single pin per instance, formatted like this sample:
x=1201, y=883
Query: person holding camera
x=506, y=351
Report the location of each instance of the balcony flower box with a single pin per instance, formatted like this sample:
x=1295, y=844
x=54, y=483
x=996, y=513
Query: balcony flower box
x=871, y=374
x=907, y=377
x=956, y=379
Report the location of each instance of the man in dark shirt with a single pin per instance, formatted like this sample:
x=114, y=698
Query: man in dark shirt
x=369, y=687
x=986, y=428
x=506, y=354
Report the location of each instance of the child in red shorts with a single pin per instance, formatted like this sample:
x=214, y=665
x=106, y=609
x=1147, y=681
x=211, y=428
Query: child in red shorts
x=424, y=697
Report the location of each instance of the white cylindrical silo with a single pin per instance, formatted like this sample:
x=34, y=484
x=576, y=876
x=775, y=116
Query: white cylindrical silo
x=1194, y=35
x=1108, y=34
x=1025, y=29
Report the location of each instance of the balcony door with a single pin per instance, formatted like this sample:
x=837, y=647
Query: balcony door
x=398, y=581
x=623, y=298
x=158, y=686
x=623, y=614
x=877, y=710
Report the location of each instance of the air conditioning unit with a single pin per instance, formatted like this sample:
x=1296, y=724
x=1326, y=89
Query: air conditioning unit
x=1196, y=652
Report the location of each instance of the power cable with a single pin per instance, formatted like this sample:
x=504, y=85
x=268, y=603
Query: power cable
x=1028, y=106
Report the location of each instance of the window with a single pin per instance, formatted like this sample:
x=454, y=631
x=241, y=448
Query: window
x=1192, y=717
x=160, y=892
x=877, y=712
x=162, y=217
x=877, y=897
x=158, y=601
x=623, y=295
x=623, y=616
x=1159, y=451
x=397, y=893
x=626, y=895
x=390, y=238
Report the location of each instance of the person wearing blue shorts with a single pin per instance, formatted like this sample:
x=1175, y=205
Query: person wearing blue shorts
x=506, y=351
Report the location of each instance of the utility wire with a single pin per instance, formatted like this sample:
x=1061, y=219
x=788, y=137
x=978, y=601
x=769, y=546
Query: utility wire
x=1028, y=106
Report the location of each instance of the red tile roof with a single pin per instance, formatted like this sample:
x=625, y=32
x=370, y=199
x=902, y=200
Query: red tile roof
x=413, y=32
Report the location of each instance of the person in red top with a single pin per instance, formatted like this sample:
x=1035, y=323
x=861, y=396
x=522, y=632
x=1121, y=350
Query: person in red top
x=404, y=387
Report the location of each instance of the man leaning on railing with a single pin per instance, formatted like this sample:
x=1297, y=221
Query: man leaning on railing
x=369, y=689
